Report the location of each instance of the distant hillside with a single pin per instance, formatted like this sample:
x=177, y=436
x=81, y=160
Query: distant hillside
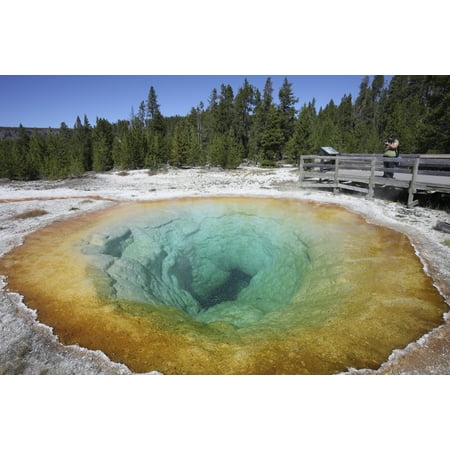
x=13, y=132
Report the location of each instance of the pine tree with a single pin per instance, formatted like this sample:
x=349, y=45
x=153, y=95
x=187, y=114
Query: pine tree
x=327, y=132
x=180, y=145
x=81, y=146
x=267, y=99
x=257, y=128
x=210, y=119
x=302, y=139
x=37, y=153
x=346, y=124
x=196, y=154
x=377, y=87
x=136, y=146
x=215, y=150
x=434, y=133
x=65, y=134
x=224, y=150
x=243, y=107
x=225, y=110
x=6, y=159
x=404, y=111
x=233, y=151
x=365, y=119
x=119, y=149
x=272, y=140
x=262, y=106
x=55, y=163
x=142, y=113
x=155, y=148
x=102, y=144
x=152, y=104
x=20, y=168
x=287, y=109
x=87, y=143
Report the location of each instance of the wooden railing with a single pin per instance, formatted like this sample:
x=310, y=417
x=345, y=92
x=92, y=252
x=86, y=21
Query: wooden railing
x=363, y=172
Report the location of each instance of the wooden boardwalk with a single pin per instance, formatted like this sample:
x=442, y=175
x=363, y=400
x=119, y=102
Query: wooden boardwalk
x=363, y=172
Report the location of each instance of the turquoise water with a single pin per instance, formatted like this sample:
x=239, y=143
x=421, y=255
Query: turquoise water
x=215, y=264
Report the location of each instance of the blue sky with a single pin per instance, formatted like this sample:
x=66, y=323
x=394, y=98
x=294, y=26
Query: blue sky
x=48, y=100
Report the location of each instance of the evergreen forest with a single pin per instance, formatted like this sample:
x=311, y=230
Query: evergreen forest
x=248, y=125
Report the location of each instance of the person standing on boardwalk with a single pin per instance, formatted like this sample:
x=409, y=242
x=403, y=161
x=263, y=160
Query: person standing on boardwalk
x=391, y=150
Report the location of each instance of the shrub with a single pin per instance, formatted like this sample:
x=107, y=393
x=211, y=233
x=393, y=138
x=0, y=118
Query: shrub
x=268, y=163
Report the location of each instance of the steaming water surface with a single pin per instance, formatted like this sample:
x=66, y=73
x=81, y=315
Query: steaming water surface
x=228, y=285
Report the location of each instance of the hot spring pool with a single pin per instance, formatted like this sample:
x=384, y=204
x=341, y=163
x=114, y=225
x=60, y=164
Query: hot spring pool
x=228, y=286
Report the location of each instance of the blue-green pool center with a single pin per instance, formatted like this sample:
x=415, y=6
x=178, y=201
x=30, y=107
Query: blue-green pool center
x=233, y=267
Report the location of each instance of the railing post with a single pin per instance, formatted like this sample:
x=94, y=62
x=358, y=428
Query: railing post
x=412, y=184
x=373, y=163
x=300, y=171
x=336, y=175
